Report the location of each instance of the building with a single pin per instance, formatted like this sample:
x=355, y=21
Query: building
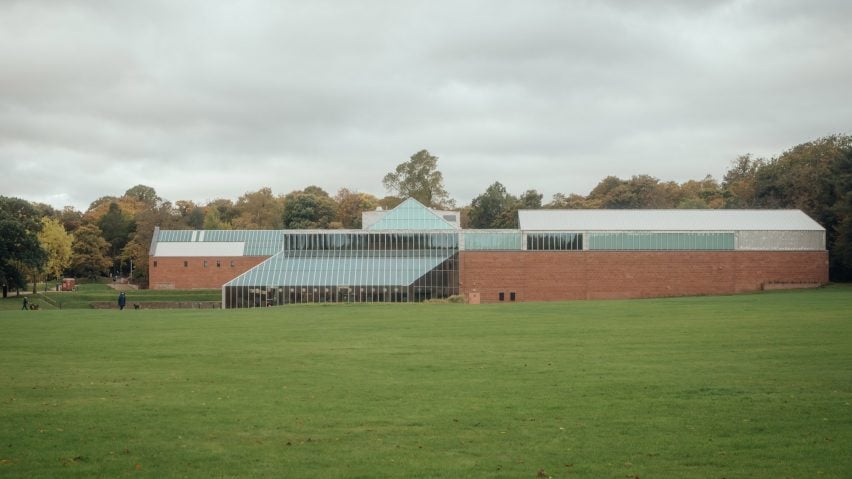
x=412, y=253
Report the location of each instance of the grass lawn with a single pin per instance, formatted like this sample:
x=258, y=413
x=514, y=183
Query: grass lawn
x=756, y=385
x=87, y=294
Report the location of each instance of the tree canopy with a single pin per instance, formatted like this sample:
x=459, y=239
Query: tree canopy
x=420, y=179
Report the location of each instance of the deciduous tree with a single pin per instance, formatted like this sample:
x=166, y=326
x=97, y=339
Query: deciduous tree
x=56, y=243
x=90, y=252
x=20, y=251
x=259, y=210
x=420, y=179
x=308, y=211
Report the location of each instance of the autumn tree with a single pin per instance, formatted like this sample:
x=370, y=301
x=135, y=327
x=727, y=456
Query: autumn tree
x=740, y=182
x=144, y=195
x=90, y=252
x=225, y=213
x=213, y=221
x=56, y=243
x=191, y=214
x=572, y=201
x=259, y=210
x=350, y=205
x=136, y=250
x=815, y=177
x=420, y=179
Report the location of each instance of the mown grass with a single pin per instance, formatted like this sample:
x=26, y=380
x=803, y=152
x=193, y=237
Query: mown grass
x=87, y=294
x=753, y=385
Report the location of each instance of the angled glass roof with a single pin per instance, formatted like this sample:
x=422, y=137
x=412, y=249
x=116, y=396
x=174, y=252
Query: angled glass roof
x=411, y=215
x=340, y=268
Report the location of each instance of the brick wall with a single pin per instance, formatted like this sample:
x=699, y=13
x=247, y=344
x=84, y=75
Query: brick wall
x=558, y=275
x=170, y=272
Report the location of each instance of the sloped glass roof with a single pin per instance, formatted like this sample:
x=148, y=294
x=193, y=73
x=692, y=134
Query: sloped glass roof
x=411, y=215
x=340, y=268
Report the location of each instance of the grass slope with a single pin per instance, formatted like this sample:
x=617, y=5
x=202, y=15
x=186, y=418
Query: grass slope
x=739, y=386
x=87, y=294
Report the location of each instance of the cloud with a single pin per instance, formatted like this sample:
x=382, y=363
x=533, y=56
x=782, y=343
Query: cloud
x=200, y=100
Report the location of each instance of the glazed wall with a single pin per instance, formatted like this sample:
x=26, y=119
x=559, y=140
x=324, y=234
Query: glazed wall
x=563, y=275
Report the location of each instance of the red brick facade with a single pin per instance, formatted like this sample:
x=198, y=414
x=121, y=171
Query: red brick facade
x=552, y=276
x=564, y=275
x=197, y=272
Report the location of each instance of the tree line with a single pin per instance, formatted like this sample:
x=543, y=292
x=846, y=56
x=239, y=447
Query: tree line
x=38, y=242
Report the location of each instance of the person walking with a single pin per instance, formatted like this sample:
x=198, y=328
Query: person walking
x=26, y=304
x=122, y=300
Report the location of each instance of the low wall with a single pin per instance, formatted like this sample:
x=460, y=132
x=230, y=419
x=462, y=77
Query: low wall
x=564, y=275
x=161, y=305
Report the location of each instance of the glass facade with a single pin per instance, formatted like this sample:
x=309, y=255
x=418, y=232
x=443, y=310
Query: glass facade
x=352, y=266
x=555, y=241
x=661, y=241
x=485, y=240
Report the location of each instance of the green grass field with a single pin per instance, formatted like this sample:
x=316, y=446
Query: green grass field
x=87, y=294
x=756, y=385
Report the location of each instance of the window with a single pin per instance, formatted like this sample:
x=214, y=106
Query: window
x=512, y=296
x=155, y=263
x=218, y=264
x=205, y=263
x=232, y=263
x=502, y=296
x=185, y=264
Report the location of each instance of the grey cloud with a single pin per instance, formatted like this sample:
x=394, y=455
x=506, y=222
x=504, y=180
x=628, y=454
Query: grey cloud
x=203, y=100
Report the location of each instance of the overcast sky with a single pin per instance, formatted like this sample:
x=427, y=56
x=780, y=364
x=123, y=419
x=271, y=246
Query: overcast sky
x=204, y=100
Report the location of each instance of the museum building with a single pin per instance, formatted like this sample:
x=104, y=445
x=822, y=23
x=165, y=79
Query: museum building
x=413, y=253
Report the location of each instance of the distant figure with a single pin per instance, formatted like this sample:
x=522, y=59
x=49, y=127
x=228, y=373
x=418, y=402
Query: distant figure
x=26, y=304
x=122, y=300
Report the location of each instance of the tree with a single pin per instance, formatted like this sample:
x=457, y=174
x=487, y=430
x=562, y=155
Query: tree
x=350, y=205
x=640, y=191
x=420, y=179
x=815, y=177
x=530, y=200
x=136, y=250
x=212, y=220
x=572, y=201
x=308, y=211
x=225, y=209
x=89, y=256
x=116, y=227
x=489, y=209
x=56, y=243
x=740, y=182
x=191, y=214
x=20, y=251
x=71, y=218
x=259, y=210
x=144, y=194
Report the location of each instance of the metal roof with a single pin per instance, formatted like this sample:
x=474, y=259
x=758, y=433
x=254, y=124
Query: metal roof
x=666, y=220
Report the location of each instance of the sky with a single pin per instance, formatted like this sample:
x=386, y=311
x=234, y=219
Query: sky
x=203, y=100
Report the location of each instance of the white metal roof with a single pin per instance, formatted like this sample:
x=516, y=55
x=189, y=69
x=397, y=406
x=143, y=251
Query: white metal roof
x=231, y=248
x=666, y=220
